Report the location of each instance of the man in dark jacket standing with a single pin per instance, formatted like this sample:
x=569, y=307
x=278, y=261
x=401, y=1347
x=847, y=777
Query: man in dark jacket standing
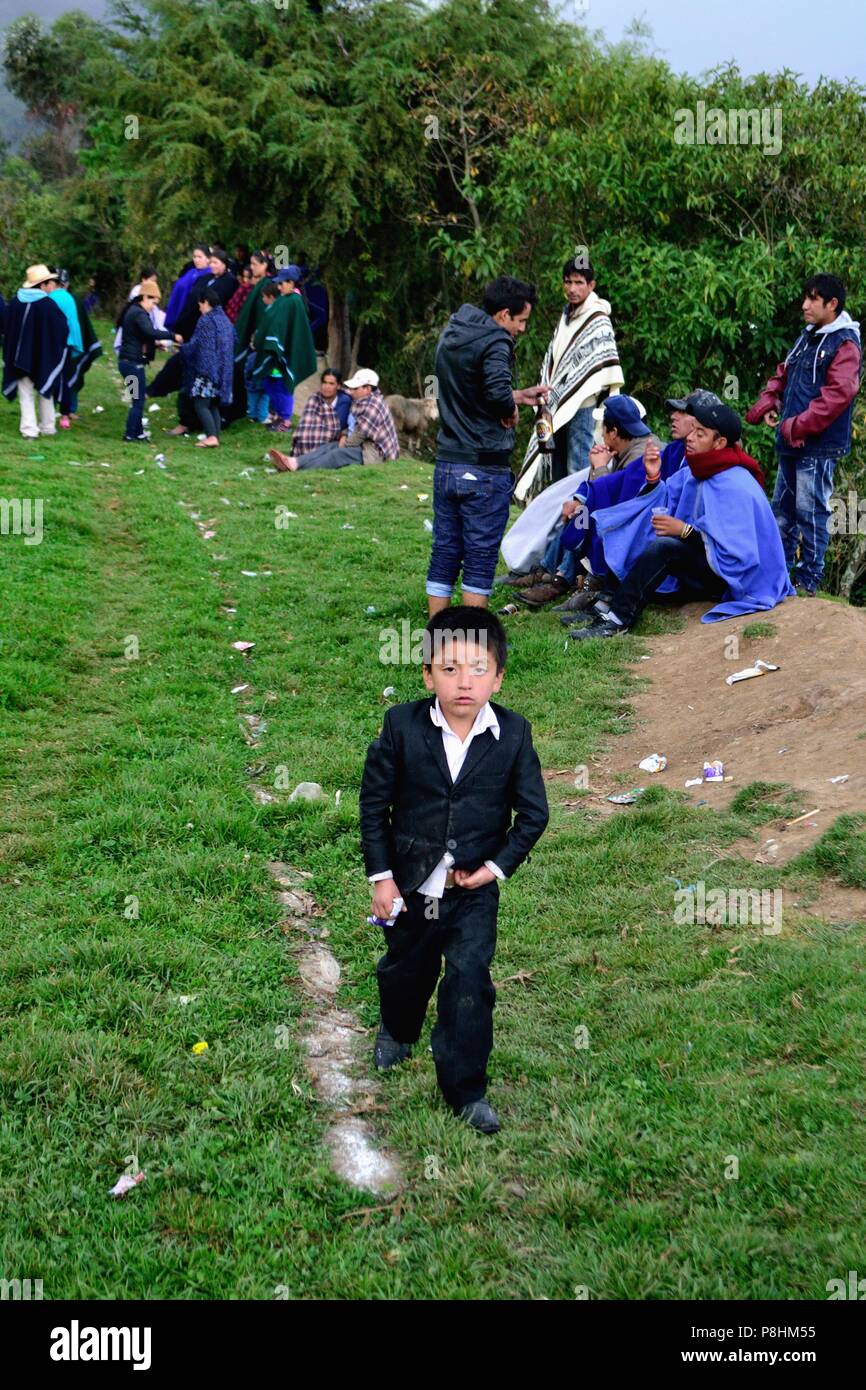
x=478, y=410
x=35, y=352
x=810, y=401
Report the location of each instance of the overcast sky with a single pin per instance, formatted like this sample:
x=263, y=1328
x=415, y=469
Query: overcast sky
x=692, y=35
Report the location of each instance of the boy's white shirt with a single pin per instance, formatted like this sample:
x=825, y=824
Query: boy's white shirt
x=455, y=754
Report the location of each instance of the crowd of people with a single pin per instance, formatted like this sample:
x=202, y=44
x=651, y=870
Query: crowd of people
x=241, y=333
x=613, y=520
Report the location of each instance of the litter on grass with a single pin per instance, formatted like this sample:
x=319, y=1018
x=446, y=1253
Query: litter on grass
x=153, y=409
x=250, y=574
x=626, y=798
x=509, y=610
x=243, y=646
x=428, y=524
x=714, y=772
x=236, y=689
x=307, y=791
x=842, y=778
x=199, y=1047
x=347, y=526
x=97, y=410
x=695, y=782
x=388, y=692
x=126, y=1184
x=422, y=496
x=370, y=609
x=655, y=762
x=750, y=672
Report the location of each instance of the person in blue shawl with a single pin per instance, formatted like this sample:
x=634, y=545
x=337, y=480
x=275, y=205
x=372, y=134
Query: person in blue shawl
x=707, y=532
x=208, y=364
x=35, y=338
x=581, y=540
x=183, y=284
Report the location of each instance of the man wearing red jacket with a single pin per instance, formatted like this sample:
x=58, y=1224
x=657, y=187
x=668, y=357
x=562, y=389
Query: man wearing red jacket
x=809, y=401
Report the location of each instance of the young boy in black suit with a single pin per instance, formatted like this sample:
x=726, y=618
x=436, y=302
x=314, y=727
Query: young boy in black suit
x=439, y=788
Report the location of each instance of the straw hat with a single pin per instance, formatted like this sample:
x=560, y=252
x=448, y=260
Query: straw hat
x=36, y=275
x=151, y=289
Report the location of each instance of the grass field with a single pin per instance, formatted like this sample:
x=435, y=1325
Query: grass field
x=710, y=1050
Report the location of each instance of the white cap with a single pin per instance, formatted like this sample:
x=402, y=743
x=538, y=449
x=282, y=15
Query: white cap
x=363, y=377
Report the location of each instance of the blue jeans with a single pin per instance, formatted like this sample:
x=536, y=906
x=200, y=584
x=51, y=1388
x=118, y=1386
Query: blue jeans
x=470, y=514
x=801, y=506
x=257, y=400
x=558, y=560
x=581, y=433
x=135, y=370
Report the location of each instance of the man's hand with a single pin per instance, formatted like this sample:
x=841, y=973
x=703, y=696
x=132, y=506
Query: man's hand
x=771, y=418
x=511, y=420
x=384, y=893
x=178, y=338
x=476, y=879
x=652, y=462
x=569, y=508
x=531, y=395
x=668, y=525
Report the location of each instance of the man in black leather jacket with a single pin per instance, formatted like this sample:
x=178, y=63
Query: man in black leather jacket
x=478, y=409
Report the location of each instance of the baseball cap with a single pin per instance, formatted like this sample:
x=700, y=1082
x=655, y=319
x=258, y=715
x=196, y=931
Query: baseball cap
x=363, y=377
x=625, y=411
x=686, y=402
x=288, y=272
x=718, y=416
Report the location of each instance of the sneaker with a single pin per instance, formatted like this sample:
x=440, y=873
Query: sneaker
x=540, y=594
x=387, y=1052
x=134, y=439
x=480, y=1115
x=600, y=627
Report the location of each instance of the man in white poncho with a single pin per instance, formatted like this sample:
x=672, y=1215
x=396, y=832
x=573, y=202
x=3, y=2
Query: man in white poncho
x=581, y=366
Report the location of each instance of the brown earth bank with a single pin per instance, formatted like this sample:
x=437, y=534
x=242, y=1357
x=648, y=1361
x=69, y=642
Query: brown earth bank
x=802, y=725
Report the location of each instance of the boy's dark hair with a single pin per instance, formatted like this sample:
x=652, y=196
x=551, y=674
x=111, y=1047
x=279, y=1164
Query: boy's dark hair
x=572, y=268
x=827, y=287
x=270, y=288
x=206, y=294
x=330, y=371
x=466, y=624
x=505, y=292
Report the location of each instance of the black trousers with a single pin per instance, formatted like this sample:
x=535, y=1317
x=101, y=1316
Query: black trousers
x=666, y=555
x=464, y=932
x=207, y=408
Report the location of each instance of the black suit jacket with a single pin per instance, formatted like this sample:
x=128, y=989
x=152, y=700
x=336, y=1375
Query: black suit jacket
x=411, y=812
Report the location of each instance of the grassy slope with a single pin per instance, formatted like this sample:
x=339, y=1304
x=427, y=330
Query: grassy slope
x=126, y=777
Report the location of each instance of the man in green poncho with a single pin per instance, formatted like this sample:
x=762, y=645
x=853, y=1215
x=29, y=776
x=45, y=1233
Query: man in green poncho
x=285, y=355
x=248, y=323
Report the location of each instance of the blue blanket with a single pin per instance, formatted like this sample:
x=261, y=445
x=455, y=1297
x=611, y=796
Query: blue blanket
x=210, y=353
x=740, y=533
x=581, y=534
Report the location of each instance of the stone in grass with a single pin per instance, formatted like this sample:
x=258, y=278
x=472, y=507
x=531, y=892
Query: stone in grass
x=307, y=791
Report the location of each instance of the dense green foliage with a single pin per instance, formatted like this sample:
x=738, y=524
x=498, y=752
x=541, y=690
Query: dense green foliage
x=413, y=152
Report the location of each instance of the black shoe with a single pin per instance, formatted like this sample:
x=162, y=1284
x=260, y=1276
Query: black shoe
x=481, y=1116
x=803, y=592
x=388, y=1052
x=600, y=627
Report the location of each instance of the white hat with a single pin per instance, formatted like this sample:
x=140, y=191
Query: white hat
x=37, y=275
x=363, y=377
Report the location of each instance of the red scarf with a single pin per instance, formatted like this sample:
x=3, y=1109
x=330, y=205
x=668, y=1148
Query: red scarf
x=705, y=466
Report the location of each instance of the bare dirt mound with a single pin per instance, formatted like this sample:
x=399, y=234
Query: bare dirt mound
x=813, y=708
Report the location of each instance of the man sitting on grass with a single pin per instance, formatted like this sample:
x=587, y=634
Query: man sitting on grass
x=708, y=528
x=371, y=434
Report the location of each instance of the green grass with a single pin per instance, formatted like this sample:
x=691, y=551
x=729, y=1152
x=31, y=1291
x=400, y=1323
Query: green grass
x=753, y=631
x=123, y=779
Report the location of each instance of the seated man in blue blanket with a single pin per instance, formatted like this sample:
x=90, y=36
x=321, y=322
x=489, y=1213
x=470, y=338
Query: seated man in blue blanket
x=707, y=530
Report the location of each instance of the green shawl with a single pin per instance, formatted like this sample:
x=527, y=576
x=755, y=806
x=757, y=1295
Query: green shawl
x=285, y=341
